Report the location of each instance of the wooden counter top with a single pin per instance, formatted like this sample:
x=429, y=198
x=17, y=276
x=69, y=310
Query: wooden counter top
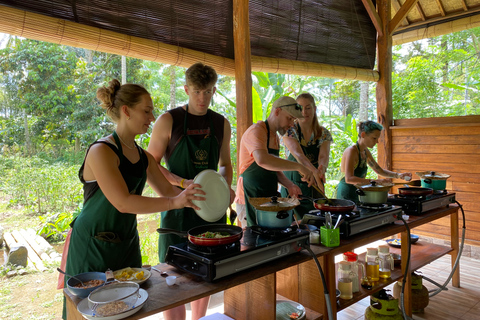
x=189, y=288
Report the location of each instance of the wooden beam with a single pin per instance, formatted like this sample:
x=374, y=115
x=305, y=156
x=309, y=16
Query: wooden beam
x=372, y=12
x=39, y=27
x=464, y=5
x=436, y=30
x=384, y=86
x=440, y=7
x=243, y=68
x=400, y=15
x=420, y=11
x=396, y=6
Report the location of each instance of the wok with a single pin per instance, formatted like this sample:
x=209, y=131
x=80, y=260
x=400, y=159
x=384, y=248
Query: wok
x=415, y=191
x=332, y=205
x=192, y=234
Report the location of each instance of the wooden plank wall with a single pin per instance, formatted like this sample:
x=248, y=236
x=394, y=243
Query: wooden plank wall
x=445, y=145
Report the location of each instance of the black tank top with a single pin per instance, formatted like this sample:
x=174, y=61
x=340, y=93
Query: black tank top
x=197, y=127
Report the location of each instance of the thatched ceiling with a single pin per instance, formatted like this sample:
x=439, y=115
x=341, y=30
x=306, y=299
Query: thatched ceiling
x=330, y=37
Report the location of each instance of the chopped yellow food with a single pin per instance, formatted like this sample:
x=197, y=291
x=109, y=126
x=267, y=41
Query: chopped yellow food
x=129, y=274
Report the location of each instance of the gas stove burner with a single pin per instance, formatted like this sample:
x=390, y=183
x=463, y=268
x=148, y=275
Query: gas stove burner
x=252, y=250
x=416, y=205
x=274, y=233
x=375, y=206
x=213, y=250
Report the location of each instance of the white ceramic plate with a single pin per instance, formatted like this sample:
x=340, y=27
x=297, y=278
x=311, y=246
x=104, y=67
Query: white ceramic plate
x=83, y=308
x=217, y=196
x=146, y=275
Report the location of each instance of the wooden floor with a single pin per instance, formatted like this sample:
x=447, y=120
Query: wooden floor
x=455, y=303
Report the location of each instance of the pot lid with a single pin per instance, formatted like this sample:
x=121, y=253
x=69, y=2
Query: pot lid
x=374, y=186
x=274, y=203
x=432, y=175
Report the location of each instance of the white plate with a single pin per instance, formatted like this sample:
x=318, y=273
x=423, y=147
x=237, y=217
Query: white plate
x=83, y=308
x=146, y=275
x=217, y=196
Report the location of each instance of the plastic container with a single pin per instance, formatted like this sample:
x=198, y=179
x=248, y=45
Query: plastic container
x=114, y=298
x=330, y=237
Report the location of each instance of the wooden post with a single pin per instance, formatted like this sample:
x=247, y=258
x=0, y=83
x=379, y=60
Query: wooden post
x=384, y=85
x=243, y=67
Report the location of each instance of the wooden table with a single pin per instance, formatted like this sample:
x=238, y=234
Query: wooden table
x=252, y=294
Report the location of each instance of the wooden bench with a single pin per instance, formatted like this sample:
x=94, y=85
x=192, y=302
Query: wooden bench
x=39, y=250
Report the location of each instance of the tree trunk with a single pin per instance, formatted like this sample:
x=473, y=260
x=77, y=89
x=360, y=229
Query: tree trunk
x=363, y=112
x=173, y=87
x=89, y=55
x=27, y=134
x=124, y=69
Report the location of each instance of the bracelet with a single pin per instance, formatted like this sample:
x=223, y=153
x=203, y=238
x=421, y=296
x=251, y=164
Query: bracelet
x=181, y=184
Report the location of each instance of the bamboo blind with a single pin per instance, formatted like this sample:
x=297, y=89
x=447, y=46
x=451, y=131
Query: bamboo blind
x=437, y=30
x=39, y=27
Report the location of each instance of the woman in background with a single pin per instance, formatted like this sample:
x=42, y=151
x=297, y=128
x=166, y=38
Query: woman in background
x=356, y=158
x=309, y=144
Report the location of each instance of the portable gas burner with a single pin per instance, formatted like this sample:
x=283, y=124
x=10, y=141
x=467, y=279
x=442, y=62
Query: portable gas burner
x=361, y=219
x=416, y=205
x=257, y=246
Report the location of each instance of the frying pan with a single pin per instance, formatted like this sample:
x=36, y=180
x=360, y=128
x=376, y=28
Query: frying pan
x=415, y=191
x=332, y=205
x=192, y=234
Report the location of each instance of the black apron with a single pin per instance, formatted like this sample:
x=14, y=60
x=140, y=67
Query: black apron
x=311, y=152
x=259, y=182
x=187, y=160
x=348, y=191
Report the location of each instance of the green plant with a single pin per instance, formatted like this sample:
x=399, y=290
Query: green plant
x=55, y=225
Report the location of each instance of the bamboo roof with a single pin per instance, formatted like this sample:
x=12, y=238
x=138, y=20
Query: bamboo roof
x=329, y=38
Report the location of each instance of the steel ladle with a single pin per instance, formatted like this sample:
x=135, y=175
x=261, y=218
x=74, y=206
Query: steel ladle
x=61, y=271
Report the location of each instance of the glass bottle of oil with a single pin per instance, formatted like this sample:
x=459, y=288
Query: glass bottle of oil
x=373, y=264
x=345, y=280
x=386, y=262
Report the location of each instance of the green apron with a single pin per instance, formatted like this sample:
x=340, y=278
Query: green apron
x=259, y=182
x=102, y=237
x=187, y=160
x=348, y=191
x=311, y=152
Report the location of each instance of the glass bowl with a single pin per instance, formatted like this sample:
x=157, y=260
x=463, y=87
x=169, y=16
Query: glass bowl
x=113, y=299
